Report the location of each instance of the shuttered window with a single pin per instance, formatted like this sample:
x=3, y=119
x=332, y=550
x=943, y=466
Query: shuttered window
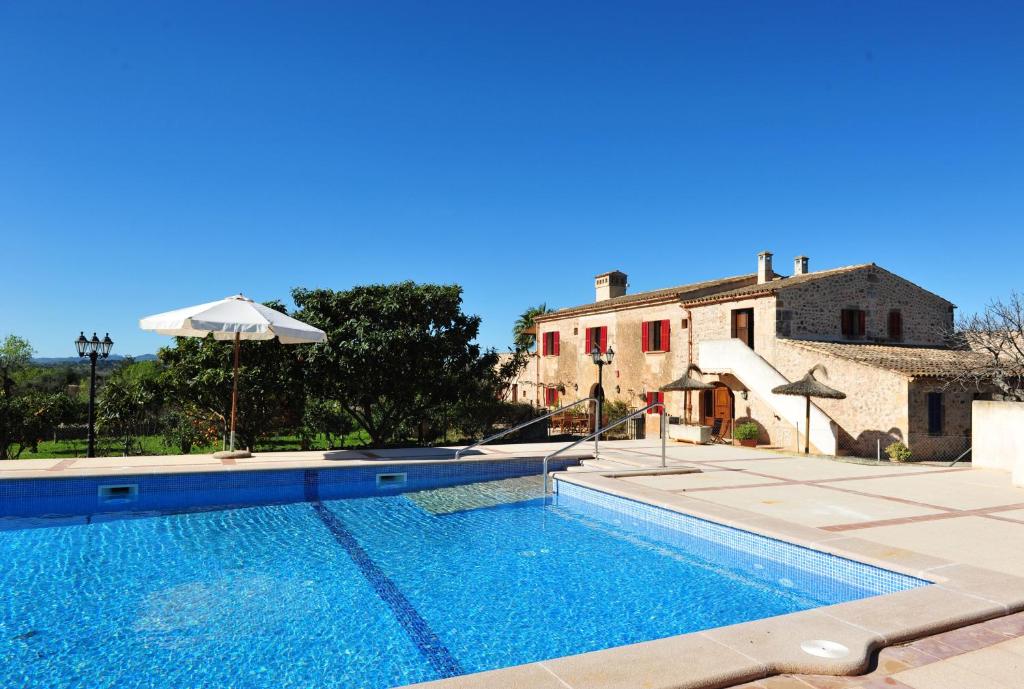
x=551, y=397
x=895, y=326
x=653, y=397
x=655, y=336
x=550, y=345
x=596, y=337
x=935, y=413
x=853, y=323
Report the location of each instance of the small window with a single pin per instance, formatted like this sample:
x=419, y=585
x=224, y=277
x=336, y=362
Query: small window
x=653, y=397
x=596, y=337
x=655, y=336
x=684, y=324
x=852, y=323
x=935, y=413
x=550, y=345
x=895, y=326
x=551, y=397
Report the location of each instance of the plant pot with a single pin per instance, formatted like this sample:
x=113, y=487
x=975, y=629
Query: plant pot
x=747, y=443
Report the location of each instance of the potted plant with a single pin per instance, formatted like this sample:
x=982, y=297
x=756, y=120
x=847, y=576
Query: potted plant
x=745, y=434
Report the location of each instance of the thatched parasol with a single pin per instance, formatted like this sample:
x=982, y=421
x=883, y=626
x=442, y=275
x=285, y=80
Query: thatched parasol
x=687, y=384
x=808, y=387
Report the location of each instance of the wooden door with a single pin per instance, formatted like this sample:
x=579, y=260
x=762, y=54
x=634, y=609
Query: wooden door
x=743, y=326
x=722, y=402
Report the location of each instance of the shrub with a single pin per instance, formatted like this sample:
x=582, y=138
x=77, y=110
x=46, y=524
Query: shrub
x=746, y=431
x=898, y=452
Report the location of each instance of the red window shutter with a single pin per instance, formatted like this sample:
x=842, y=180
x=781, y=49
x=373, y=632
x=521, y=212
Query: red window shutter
x=544, y=344
x=666, y=343
x=645, y=330
x=557, y=345
x=860, y=324
x=604, y=339
x=590, y=341
x=650, y=398
x=845, y=322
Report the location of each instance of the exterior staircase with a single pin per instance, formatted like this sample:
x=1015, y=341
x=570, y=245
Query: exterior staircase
x=733, y=357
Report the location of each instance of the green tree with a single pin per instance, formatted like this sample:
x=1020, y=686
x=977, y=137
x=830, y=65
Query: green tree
x=524, y=331
x=197, y=381
x=396, y=355
x=129, y=402
x=15, y=355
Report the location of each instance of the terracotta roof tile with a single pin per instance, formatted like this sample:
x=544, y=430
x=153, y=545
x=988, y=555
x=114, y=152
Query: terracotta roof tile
x=908, y=360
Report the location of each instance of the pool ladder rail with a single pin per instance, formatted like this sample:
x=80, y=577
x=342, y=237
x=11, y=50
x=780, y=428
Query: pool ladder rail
x=459, y=453
x=597, y=433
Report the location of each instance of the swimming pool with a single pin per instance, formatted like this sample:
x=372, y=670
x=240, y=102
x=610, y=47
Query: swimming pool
x=382, y=590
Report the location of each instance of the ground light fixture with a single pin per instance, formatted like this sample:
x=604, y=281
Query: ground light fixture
x=601, y=360
x=94, y=349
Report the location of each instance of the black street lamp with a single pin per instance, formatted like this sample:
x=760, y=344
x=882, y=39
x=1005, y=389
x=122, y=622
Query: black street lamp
x=601, y=361
x=94, y=349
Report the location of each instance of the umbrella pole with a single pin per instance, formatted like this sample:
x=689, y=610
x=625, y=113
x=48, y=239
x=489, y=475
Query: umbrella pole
x=234, y=392
x=807, y=428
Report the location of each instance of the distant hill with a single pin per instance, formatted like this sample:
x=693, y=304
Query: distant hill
x=72, y=360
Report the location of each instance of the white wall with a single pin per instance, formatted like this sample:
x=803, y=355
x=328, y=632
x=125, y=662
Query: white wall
x=759, y=376
x=997, y=430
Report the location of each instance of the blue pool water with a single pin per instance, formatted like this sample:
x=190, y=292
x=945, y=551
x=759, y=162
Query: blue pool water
x=380, y=591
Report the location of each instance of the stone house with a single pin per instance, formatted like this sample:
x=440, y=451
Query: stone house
x=880, y=336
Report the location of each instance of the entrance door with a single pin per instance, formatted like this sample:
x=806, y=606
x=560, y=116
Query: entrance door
x=743, y=326
x=716, y=403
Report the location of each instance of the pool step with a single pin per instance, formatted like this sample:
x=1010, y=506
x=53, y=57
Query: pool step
x=601, y=465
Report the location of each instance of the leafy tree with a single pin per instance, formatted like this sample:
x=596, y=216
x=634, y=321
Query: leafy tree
x=15, y=354
x=129, y=401
x=198, y=375
x=26, y=416
x=524, y=331
x=395, y=354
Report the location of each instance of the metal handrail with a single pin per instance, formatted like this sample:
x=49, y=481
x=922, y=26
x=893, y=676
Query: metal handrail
x=458, y=454
x=613, y=424
x=964, y=454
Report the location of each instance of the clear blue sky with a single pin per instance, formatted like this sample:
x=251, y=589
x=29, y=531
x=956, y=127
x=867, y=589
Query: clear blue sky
x=155, y=155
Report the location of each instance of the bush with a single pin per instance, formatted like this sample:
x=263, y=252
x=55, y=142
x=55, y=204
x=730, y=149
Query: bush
x=746, y=431
x=898, y=452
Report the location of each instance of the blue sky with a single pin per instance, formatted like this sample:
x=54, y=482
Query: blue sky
x=155, y=155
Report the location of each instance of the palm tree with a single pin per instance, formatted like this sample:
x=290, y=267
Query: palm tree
x=523, y=332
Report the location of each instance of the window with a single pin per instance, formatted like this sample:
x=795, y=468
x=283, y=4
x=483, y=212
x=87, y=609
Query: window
x=551, y=397
x=853, y=323
x=935, y=413
x=895, y=326
x=653, y=397
x=550, y=344
x=655, y=336
x=596, y=337
x=684, y=324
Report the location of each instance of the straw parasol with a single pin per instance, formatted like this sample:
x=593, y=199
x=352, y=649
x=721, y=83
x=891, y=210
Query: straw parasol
x=233, y=318
x=687, y=384
x=808, y=387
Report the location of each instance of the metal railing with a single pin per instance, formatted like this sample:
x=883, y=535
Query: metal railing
x=598, y=432
x=965, y=453
x=459, y=453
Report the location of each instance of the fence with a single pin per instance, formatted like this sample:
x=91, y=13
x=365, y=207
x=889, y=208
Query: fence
x=923, y=447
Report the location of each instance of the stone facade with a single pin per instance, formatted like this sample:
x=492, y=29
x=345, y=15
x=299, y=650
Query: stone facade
x=882, y=405
x=810, y=310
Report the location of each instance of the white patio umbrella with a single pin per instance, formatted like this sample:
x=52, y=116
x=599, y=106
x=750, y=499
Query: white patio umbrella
x=234, y=318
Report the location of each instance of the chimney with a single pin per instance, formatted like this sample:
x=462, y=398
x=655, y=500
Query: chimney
x=764, y=267
x=609, y=285
x=800, y=265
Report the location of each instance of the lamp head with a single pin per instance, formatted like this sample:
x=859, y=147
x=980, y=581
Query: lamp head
x=105, y=346
x=82, y=345
x=595, y=354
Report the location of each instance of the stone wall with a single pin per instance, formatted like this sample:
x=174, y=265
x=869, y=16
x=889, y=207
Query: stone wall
x=875, y=408
x=955, y=436
x=811, y=310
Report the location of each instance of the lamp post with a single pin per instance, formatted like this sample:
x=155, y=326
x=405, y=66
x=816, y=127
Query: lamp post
x=94, y=349
x=600, y=361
